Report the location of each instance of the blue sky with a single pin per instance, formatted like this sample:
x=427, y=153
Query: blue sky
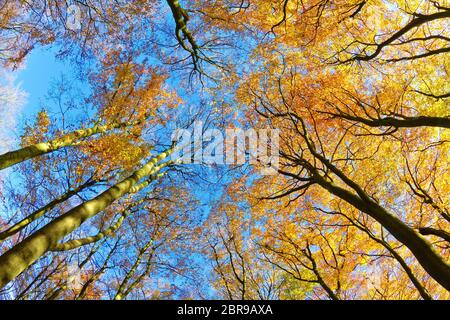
x=36, y=78
x=40, y=70
x=31, y=83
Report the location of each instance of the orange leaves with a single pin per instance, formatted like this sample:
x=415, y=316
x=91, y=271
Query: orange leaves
x=127, y=91
x=331, y=76
x=113, y=151
x=38, y=132
x=133, y=96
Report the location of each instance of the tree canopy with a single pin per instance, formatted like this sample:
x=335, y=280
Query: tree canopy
x=94, y=204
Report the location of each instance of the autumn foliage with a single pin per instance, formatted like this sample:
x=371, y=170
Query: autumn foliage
x=358, y=208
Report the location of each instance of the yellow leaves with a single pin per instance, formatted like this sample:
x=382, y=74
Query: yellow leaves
x=291, y=230
x=111, y=152
x=293, y=70
x=37, y=133
x=43, y=120
x=127, y=91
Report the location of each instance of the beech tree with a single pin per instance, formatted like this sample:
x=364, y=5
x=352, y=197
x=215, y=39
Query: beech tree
x=357, y=208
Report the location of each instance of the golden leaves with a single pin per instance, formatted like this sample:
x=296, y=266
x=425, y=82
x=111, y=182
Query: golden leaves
x=38, y=131
x=113, y=151
x=127, y=91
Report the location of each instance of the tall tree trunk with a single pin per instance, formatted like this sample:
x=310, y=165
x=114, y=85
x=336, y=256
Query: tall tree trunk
x=430, y=260
x=124, y=289
x=22, y=255
x=40, y=212
x=17, y=156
